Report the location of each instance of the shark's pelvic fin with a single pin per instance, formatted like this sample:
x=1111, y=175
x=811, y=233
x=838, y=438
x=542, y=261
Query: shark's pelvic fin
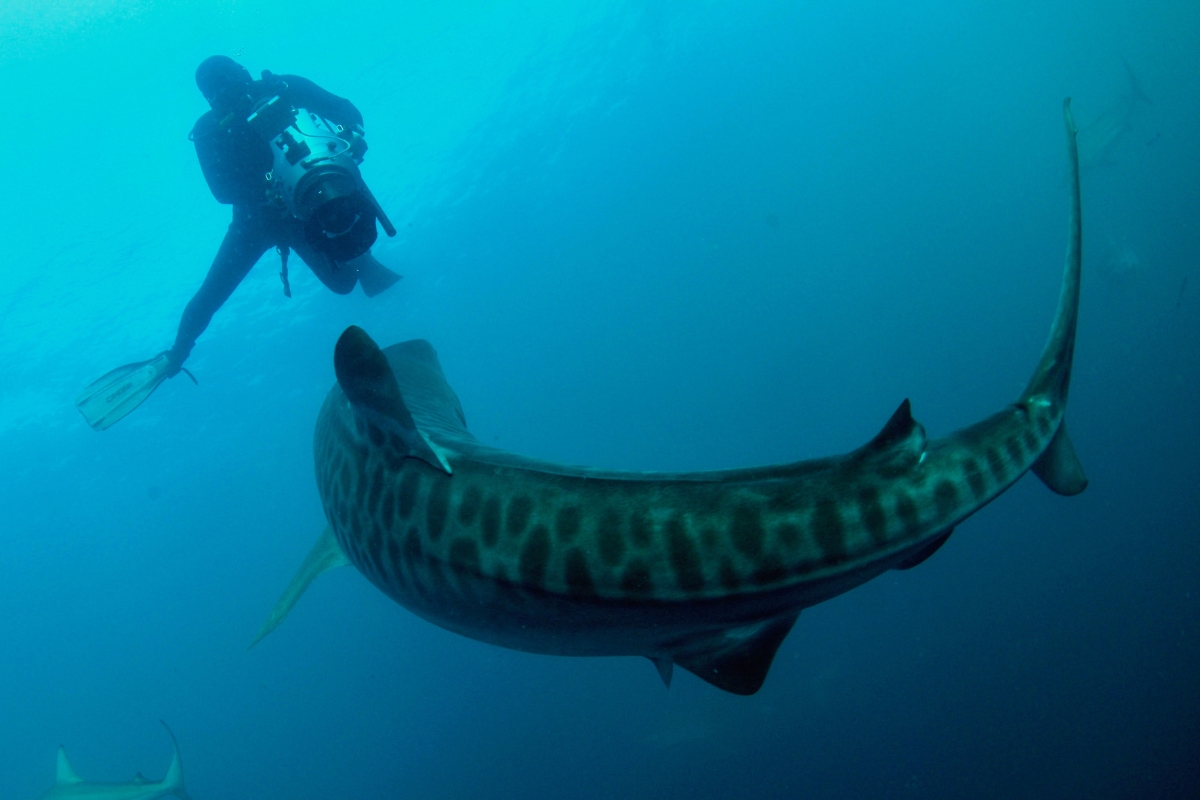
x=1059, y=467
x=925, y=552
x=325, y=555
x=666, y=669
x=737, y=660
x=65, y=773
x=367, y=379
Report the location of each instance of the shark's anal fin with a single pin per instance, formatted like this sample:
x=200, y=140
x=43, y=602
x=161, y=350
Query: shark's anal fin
x=925, y=552
x=737, y=660
x=367, y=379
x=1059, y=467
x=65, y=773
x=325, y=555
x=666, y=669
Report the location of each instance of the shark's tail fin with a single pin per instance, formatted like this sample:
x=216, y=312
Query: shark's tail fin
x=1059, y=467
x=174, y=780
x=1135, y=86
x=1052, y=378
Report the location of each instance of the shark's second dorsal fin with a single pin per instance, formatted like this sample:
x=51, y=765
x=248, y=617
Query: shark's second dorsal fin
x=901, y=443
x=367, y=379
x=737, y=659
x=65, y=773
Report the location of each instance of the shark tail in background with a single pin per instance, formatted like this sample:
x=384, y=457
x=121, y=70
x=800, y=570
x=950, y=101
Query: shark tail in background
x=1059, y=467
x=1135, y=86
x=174, y=779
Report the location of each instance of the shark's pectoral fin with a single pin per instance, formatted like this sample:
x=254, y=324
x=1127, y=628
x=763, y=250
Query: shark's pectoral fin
x=736, y=659
x=1059, y=467
x=925, y=552
x=666, y=669
x=325, y=555
x=367, y=379
x=65, y=773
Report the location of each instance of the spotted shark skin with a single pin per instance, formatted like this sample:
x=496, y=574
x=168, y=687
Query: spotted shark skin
x=707, y=570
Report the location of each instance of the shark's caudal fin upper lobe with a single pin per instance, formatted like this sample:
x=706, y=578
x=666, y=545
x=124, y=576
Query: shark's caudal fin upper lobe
x=174, y=777
x=1059, y=467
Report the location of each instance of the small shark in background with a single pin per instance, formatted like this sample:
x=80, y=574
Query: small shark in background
x=1100, y=138
x=707, y=570
x=69, y=786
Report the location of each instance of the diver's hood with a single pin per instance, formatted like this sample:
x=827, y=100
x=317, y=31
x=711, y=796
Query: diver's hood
x=221, y=80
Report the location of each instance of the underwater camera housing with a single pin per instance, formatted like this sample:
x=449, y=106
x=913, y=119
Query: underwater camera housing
x=315, y=176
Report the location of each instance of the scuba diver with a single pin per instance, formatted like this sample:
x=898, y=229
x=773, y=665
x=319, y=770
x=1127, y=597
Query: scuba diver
x=284, y=153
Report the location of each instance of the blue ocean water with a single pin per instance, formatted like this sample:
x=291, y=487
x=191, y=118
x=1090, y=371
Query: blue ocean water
x=641, y=235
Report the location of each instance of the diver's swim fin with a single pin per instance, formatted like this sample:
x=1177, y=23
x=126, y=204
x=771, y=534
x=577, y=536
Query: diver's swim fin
x=373, y=277
x=107, y=400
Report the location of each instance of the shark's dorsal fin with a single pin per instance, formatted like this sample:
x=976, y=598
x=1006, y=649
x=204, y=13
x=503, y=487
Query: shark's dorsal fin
x=140, y=778
x=737, y=659
x=65, y=773
x=433, y=404
x=367, y=379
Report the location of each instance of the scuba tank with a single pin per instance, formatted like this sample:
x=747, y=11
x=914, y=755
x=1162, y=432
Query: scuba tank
x=315, y=177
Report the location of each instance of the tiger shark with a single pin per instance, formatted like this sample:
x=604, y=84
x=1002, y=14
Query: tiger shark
x=69, y=786
x=705, y=570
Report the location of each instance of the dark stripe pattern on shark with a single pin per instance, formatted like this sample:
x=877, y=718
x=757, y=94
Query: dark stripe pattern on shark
x=705, y=570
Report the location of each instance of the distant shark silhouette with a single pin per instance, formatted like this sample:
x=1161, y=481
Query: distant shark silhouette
x=69, y=786
x=707, y=570
x=1099, y=139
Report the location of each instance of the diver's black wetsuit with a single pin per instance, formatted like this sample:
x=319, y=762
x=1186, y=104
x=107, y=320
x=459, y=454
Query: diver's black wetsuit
x=235, y=162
